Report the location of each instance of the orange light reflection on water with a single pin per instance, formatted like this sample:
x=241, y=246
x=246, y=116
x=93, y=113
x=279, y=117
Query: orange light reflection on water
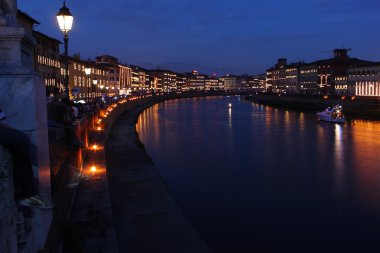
x=365, y=145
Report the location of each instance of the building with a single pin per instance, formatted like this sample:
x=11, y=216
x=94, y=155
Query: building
x=164, y=80
x=140, y=79
x=231, y=82
x=257, y=83
x=83, y=86
x=211, y=83
x=195, y=81
x=283, y=77
x=319, y=77
x=181, y=82
x=120, y=75
x=47, y=62
x=364, y=80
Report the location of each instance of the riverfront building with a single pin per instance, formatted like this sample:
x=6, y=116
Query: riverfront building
x=47, y=62
x=140, y=79
x=364, y=80
x=164, y=80
x=231, y=82
x=211, y=83
x=120, y=75
x=319, y=77
x=181, y=82
x=257, y=83
x=86, y=86
x=283, y=77
x=195, y=80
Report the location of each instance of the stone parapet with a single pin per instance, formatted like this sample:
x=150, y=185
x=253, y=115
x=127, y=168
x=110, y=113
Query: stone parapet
x=8, y=212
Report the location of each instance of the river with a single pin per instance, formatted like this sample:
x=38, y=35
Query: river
x=255, y=178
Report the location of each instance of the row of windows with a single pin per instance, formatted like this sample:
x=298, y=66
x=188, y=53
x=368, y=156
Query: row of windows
x=93, y=70
x=363, y=73
x=44, y=60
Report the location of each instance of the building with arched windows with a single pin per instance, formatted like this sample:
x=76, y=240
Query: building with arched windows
x=364, y=80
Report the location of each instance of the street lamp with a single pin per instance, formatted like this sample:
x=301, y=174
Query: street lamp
x=87, y=71
x=65, y=21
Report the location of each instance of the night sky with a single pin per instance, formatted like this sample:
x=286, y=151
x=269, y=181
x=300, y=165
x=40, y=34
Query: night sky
x=214, y=36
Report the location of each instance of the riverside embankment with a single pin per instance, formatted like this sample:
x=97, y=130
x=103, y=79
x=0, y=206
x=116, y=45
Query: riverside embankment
x=368, y=108
x=146, y=217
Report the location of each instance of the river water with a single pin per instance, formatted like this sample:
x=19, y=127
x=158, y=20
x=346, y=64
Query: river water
x=255, y=178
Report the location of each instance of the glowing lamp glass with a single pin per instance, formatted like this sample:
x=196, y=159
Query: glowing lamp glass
x=65, y=19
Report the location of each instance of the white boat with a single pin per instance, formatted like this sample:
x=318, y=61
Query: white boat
x=332, y=114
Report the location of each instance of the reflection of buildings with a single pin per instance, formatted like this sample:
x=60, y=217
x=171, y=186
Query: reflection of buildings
x=364, y=80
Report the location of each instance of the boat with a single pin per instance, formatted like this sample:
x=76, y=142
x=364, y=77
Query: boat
x=332, y=114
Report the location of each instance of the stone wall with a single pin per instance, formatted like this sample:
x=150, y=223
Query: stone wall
x=8, y=236
x=66, y=163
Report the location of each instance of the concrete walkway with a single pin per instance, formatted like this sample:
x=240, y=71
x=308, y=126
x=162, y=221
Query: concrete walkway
x=91, y=228
x=146, y=217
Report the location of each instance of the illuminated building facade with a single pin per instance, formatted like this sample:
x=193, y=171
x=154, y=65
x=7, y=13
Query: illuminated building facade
x=364, y=80
x=231, y=83
x=81, y=85
x=181, y=82
x=211, y=83
x=319, y=77
x=195, y=81
x=47, y=62
x=257, y=82
x=283, y=77
x=166, y=80
x=140, y=79
x=120, y=75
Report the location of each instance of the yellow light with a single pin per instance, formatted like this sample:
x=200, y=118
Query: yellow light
x=94, y=147
x=93, y=168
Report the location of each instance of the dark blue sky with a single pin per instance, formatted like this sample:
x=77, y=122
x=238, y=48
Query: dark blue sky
x=239, y=36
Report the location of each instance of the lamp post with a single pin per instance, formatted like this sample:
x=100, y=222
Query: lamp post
x=65, y=21
x=87, y=71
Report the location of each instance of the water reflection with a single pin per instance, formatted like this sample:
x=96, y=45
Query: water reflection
x=339, y=158
x=278, y=181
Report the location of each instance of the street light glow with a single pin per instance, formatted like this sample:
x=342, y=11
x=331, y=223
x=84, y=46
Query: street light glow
x=65, y=19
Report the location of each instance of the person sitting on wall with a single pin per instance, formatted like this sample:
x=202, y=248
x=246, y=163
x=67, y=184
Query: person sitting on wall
x=20, y=147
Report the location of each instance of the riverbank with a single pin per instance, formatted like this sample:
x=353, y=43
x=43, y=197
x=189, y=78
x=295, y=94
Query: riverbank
x=146, y=217
x=358, y=108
